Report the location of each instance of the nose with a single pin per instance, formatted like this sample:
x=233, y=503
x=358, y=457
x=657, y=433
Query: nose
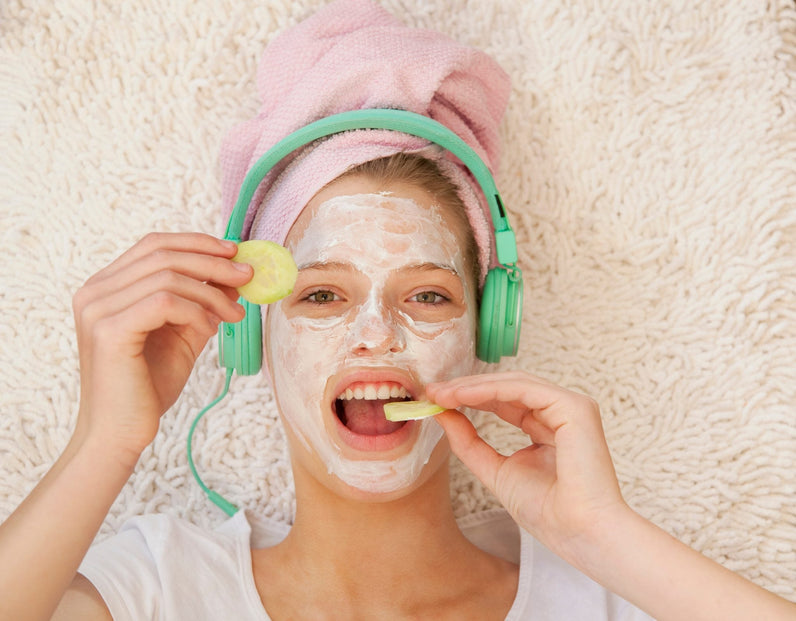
x=375, y=331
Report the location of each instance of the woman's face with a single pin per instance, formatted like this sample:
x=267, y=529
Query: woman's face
x=384, y=304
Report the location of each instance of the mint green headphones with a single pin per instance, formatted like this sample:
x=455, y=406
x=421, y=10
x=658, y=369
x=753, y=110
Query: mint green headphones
x=240, y=344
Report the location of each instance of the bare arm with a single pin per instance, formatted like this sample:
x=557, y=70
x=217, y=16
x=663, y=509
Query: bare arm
x=564, y=491
x=44, y=540
x=82, y=602
x=641, y=562
x=141, y=323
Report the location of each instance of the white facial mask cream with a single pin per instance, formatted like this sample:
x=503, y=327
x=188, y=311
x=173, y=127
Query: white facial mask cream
x=374, y=236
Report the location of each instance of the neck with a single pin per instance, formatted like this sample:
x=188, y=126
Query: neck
x=380, y=559
x=408, y=531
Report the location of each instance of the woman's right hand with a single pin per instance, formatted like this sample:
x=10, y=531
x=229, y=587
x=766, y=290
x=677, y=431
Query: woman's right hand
x=141, y=323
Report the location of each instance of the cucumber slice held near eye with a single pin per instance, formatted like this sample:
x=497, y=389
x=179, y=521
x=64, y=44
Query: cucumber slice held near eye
x=410, y=410
x=275, y=271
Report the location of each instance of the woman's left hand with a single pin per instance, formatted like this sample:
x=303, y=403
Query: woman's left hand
x=557, y=488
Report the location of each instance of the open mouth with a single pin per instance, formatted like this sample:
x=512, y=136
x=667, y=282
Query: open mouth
x=360, y=407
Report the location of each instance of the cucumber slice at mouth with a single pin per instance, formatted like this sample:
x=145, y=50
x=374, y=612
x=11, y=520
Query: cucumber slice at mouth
x=410, y=410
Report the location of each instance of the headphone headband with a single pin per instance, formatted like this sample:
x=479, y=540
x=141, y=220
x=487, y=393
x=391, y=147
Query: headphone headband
x=381, y=118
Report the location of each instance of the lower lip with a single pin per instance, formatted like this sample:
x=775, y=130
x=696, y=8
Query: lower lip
x=376, y=443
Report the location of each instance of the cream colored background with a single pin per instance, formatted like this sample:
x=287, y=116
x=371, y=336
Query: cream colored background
x=650, y=172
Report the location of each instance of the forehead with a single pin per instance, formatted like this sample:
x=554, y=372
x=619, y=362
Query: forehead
x=375, y=228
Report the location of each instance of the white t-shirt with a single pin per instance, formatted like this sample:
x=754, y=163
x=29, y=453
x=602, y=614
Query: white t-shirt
x=161, y=567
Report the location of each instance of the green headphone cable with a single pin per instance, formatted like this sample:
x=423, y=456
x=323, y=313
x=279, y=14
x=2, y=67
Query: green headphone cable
x=216, y=498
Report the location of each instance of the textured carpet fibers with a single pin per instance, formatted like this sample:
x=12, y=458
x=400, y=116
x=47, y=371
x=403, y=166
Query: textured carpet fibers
x=649, y=170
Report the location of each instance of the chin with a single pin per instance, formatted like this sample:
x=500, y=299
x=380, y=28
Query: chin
x=366, y=480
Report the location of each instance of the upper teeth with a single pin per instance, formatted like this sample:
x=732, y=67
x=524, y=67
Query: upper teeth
x=374, y=391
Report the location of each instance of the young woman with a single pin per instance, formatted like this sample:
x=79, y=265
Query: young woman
x=391, y=258
x=384, y=300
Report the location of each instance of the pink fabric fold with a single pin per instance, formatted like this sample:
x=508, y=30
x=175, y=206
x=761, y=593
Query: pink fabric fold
x=350, y=55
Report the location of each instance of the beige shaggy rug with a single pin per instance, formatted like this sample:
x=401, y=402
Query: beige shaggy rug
x=649, y=170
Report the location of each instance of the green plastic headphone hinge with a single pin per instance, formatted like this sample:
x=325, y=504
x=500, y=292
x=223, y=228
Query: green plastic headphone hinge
x=506, y=247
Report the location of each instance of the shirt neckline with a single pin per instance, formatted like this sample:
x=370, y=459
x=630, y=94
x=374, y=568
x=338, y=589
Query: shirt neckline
x=241, y=525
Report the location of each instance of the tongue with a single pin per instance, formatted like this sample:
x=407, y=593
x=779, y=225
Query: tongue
x=366, y=417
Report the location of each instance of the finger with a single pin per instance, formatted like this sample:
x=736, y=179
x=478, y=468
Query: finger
x=446, y=394
x=202, y=267
x=517, y=377
x=482, y=460
x=520, y=376
x=538, y=433
x=520, y=416
x=230, y=292
x=504, y=393
x=513, y=413
x=125, y=332
x=197, y=243
x=211, y=299
x=195, y=254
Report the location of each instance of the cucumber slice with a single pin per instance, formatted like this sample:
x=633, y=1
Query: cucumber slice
x=275, y=271
x=410, y=410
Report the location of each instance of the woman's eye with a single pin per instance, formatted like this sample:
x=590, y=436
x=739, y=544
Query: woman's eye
x=429, y=297
x=321, y=297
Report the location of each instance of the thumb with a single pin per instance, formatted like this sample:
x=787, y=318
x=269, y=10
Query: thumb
x=482, y=460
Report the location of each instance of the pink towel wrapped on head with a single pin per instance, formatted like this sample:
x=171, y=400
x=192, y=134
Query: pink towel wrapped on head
x=353, y=55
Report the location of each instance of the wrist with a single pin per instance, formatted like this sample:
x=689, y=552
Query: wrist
x=110, y=441
x=103, y=450
x=606, y=536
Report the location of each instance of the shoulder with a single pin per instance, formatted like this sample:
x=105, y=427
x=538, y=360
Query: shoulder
x=549, y=588
x=556, y=590
x=493, y=531
x=166, y=538
x=141, y=572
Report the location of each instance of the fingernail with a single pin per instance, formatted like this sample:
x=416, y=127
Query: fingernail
x=243, y=267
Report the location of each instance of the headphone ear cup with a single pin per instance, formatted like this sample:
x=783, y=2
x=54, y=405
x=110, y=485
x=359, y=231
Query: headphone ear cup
x=500, y=315
x=240, y=345
x=492, y=312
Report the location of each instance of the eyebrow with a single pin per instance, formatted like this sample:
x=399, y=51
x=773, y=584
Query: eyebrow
x=327, y=266
x=430, y=267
